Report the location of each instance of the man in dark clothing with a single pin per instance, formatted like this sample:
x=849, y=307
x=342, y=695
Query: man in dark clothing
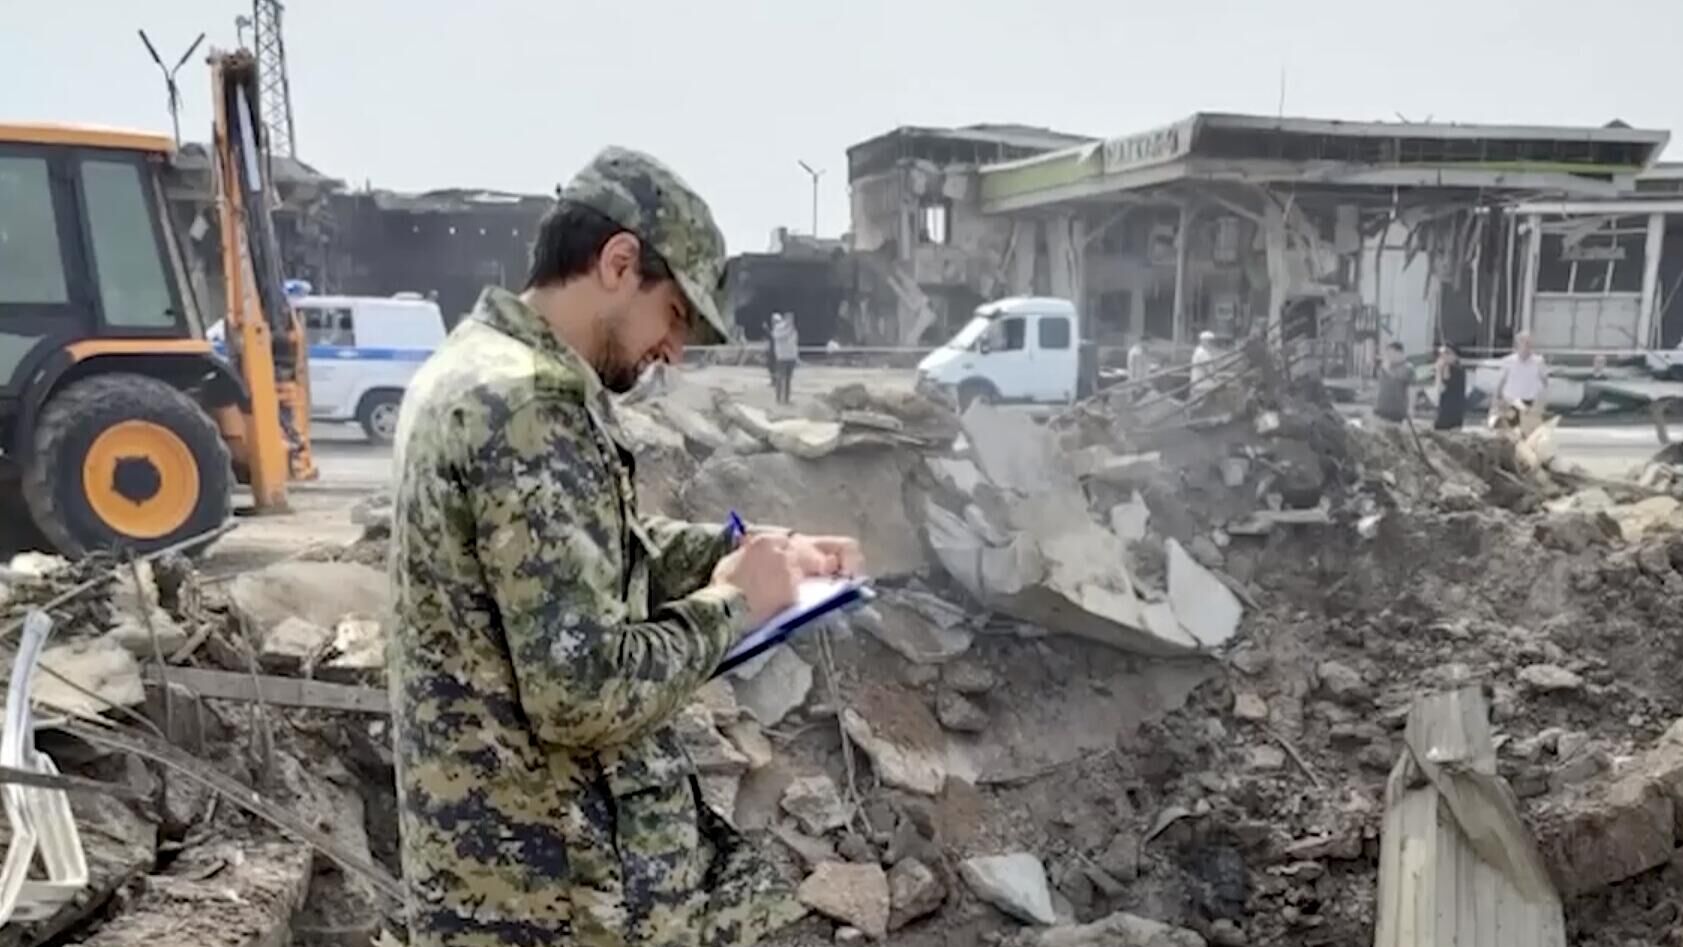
x=1452, y=389
x=1395, y=376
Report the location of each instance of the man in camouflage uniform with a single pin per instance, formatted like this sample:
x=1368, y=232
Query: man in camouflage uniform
x=547, y=633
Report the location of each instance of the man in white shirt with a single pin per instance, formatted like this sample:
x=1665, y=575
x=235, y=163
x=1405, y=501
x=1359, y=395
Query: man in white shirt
x=1203, y=367
x=1523, y=383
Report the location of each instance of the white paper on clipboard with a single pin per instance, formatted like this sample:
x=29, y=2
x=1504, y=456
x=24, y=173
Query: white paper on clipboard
x=814, y=599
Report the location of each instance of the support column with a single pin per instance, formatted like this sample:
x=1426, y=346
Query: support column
x=1528, y=283
x=1646, y=331
x=1182, y=238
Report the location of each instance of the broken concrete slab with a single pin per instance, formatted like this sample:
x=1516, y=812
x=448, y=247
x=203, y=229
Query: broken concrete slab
x=1129, y=520
x=645, y=433
x=910, y=754
x=918, y=416
x=778, y=688
x=816, y=804
x=957, y=475
x=801, y=437
x=1014, y=452
x=959, y=713
x=968, y=678
x=712, y=754
x=1549, y=678
x=319, y=592
x=1016, y=884
x=1638, y=519
x=218, y=895
x=1120, y=930
x=914, y=890
x=856, y=895
x=910, y=633
x=293, y=645
x=699, y=431
x=1205, y=607
x=97, y=665
x=855, y=493
x=1617, y=829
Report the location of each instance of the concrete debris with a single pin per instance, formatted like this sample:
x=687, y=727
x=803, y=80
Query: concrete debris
x=906, y=629
x=1203, y=605
x=779, y=687
x=1638, y=519
x=854, y=493
x=914, y=891
x=960, y=713
x=1250, y=706
x=1549, y=678
x=1457, y=862
x=855, y=895
x=222, y=895
x=751, y=743
x=1016, y=884
x=67, y=674
x=699, y=432
x=905, y=761
x=1621, y=827
x=318, y=592
x=712, y=753
x=811, y=851
x=293, y=645
x=1129, y=520
x=815, y=802
x=1120, y=930
x=968, y=678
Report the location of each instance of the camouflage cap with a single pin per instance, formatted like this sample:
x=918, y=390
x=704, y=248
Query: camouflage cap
x=646, y=197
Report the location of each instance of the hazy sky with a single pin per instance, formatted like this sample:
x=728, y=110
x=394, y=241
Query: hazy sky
x=426, y=94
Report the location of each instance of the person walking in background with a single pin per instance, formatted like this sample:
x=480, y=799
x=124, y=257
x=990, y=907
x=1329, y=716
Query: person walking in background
x=1521, y=388
x=785, y=351
x=1202, y=374
x=1395, y=377
x=1451, y=377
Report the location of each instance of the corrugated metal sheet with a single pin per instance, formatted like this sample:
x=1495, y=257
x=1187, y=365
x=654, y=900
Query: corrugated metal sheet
x=1457, y=865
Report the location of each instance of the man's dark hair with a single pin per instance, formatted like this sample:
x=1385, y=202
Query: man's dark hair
x=570, y=240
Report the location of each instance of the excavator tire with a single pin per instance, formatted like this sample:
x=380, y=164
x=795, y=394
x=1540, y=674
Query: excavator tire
x=125, y=461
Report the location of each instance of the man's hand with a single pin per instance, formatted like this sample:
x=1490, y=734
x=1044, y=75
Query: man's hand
x=765, y=570
x=827, y=555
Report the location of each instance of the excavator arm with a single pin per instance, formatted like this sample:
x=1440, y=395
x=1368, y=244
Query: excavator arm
x=269, y=438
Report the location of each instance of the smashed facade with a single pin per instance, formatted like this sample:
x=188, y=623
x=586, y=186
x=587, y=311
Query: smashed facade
x=1340, y=234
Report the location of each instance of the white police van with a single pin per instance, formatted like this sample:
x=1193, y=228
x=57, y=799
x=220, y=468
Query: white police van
x=363, y=352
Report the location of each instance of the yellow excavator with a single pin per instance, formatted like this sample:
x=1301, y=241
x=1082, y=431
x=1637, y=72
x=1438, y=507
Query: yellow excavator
x=120, y=426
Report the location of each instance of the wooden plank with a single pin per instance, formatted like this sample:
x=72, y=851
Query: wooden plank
x=280, y=691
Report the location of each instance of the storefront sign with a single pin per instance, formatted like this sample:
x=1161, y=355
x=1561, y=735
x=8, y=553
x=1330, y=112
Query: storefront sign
x=1157, y=146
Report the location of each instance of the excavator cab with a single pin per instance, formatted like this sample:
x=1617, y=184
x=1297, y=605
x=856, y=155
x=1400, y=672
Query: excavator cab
x=120, y=427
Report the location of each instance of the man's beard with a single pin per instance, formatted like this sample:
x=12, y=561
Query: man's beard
x=618, y=370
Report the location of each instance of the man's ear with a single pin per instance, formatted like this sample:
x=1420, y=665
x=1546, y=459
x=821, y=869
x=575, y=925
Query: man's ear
x=617, y=263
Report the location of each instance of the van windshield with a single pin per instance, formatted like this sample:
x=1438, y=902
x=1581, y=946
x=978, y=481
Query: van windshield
x=967, y=336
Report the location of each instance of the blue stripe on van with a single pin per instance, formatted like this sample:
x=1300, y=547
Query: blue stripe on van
x=345, y=353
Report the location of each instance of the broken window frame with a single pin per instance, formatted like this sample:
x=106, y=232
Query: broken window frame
x=1609, y=278
x=934, y=223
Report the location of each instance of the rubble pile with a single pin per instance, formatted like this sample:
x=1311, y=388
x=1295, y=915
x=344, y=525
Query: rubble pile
x=1133, y=677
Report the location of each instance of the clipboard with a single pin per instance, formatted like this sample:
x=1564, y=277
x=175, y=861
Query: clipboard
x=815, y=599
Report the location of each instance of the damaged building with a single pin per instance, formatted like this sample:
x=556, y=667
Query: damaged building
x=446, y=244
x=1340, y=234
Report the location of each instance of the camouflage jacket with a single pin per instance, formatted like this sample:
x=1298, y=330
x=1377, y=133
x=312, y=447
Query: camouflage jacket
x=546, y=635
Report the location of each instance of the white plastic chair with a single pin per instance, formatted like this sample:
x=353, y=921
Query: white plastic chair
x=40, y=818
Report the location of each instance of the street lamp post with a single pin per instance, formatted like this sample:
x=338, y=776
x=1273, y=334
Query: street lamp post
x=816, y=174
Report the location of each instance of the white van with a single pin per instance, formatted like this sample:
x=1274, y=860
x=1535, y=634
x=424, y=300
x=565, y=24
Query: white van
x=363, y=351
x=1023, y=350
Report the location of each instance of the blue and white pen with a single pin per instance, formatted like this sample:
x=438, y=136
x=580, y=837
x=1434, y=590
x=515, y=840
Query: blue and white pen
x=735, y=529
